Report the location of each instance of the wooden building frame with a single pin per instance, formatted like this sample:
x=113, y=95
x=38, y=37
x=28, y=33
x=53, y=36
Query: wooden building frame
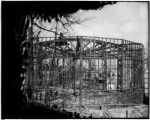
x=93, y=70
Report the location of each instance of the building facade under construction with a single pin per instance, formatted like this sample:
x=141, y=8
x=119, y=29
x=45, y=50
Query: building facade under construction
x=86, y=70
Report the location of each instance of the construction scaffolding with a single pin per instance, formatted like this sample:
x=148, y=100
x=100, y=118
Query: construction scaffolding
x=87, y=71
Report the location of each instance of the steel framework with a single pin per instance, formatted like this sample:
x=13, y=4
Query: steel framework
x=87, y=70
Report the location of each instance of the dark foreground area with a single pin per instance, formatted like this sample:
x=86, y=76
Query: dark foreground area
x=39, y=111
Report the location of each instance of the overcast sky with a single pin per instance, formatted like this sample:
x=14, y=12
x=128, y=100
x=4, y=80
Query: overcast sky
x=126, y=20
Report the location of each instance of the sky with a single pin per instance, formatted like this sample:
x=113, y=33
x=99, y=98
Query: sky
x=125, y=20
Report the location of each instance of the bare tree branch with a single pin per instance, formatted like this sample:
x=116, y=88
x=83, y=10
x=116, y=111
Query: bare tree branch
x=70, y=20
x=50, y=30
x=66, y=22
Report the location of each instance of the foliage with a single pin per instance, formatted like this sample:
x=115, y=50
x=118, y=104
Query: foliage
x=16, y=20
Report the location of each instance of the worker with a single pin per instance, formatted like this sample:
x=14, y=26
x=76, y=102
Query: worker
x=60, y=43
x=61, y=37
x=78, y=45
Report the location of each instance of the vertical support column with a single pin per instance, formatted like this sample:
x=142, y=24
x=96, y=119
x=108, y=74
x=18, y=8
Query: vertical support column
x=63, y=65
x=89, y=72
x=105, y=66
x=94, y=66
x=128, y=66
x=50, y=61
x=132, y=68
x=57, y=82
x=74, y=70
x=37, y=61
x=139, y=65
x=124, y=59
x=142, y=71
x=135, y=65
x=90, y=66
x=105, y=73
x=81, y=61
x=120, y=67
x=110, y=71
